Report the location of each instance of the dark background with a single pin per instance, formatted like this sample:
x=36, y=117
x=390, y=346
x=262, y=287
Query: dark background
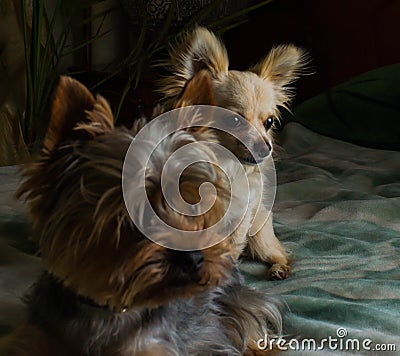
x=344, y=37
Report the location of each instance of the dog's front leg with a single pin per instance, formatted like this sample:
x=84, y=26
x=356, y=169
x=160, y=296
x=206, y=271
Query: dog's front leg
x=264, y=245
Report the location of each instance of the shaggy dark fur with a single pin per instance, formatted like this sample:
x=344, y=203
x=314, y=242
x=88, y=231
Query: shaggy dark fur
x=108, y=289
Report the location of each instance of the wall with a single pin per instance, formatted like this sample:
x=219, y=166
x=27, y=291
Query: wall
x=344, y=37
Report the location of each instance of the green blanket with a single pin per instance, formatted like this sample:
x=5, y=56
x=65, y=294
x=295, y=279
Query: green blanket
x=18, y=266
x=337, y=210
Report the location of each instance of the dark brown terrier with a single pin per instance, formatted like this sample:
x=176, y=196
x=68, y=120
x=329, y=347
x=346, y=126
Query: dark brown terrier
x=107, y=289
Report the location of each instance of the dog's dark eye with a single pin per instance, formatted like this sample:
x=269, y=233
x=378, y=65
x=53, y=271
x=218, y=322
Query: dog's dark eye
x=268, y=123
x=235, y=122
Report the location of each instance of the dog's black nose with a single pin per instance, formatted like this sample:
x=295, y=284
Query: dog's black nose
x=195, y=258
x=188, y=261
x=262, y=150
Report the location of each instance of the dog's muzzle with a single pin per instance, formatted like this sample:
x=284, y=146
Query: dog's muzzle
x=260, y=151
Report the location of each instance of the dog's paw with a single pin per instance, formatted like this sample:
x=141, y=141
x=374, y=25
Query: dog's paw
x=278, y=272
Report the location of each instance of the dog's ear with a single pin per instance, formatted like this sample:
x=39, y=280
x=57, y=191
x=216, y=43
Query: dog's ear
x=282, y=65
x=76, y=113
x=198, y=50
x=198, y=91
x=202, y=50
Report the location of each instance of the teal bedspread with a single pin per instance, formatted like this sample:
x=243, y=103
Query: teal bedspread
x=18, y=265
x=337, y=210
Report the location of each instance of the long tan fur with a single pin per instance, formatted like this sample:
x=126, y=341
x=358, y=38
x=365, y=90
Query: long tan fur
x=257, y=95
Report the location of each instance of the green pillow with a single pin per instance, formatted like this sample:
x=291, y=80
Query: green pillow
x=364, y=110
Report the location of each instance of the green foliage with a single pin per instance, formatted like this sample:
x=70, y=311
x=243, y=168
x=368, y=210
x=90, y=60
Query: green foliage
x=45, y=47
x=147, y=47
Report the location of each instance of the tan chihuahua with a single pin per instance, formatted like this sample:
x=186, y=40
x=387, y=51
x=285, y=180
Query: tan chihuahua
x=256, y=95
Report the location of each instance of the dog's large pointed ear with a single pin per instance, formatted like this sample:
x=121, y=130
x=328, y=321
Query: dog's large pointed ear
x=198, y=50
x=198, y=91
x=76, y=113
x=202, y=50
x=282, y=65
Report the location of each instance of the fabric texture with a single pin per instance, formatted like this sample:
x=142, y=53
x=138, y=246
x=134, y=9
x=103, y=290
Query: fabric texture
x=337, y=210
x=364, y=110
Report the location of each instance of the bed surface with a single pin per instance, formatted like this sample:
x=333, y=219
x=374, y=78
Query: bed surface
x=337, y=210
